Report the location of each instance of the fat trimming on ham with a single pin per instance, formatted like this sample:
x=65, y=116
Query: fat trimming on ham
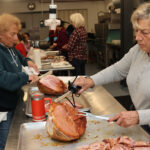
x=120, y=143
x=64, y=124
x=50, y=84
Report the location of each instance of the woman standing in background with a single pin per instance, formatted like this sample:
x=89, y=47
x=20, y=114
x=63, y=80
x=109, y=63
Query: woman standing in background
x=26, y=41
x=62, y=39
x=77, y=44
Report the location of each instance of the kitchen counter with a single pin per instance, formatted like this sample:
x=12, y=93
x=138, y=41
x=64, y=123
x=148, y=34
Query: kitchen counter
x=97, y=99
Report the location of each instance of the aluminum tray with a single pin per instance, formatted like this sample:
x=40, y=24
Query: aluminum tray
x=33, y=136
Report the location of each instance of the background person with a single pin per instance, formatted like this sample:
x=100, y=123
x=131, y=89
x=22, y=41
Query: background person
x=135, y=67
x=26, y=41
x=20, y=45
x=62, y=39
x=77, y=44
x=69, y=30
x=11, y=76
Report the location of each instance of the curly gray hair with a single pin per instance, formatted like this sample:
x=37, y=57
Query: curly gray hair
x=142, y=12
x=77, y=20
x=7, y=20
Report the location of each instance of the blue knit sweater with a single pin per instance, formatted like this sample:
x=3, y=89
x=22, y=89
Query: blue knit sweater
x=11, y=76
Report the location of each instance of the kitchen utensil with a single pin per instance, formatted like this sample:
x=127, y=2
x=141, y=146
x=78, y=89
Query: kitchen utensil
x=45, y=74
x=92, y=115
x=73, y=89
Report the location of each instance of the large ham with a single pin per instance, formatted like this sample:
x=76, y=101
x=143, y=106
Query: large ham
x=120, y=143
x=50, y=84
x=64, y=123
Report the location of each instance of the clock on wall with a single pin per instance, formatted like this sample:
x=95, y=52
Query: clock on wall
x=31, y=6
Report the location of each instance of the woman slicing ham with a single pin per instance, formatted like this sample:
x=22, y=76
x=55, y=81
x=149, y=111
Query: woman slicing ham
x=135, y=67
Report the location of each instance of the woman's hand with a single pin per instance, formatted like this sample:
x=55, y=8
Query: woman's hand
x=126, y=118
x=53, y=46
x=33, y=78
x=85, y=83
x=31, y=64
x=64, y=46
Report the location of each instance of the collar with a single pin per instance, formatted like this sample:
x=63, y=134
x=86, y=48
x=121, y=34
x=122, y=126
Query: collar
x=2, y=45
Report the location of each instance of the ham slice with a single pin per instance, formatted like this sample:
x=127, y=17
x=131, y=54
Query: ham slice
x=120, y=143
x=50, y=84
x=64, y=124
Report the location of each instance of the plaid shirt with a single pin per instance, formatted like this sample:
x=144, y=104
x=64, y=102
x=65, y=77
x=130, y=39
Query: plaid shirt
x=62, y=38
x=77, y=45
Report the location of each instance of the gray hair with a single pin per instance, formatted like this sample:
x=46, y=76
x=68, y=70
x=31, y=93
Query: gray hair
x=142, y=12
x=7, y=20
x=77, y=20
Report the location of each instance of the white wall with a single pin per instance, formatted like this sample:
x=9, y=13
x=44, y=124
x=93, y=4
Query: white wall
x=20, y=6
x=93, y=8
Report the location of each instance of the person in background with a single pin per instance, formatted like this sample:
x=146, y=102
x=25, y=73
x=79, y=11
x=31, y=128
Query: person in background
x=77, y=44
x=135, y=67
x=69, y=30
x=61, y=40
x=52, y=36
x=20, y=45
x=11, y=76
x=26, y=41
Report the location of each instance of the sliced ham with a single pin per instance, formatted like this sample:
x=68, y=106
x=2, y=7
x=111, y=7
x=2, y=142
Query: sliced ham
x=120, y=147
x=126, y=141
x=141, y=148
x=64, y=123
x=120, y=143
x=84, y=147
x=142, y=144
x=50, y=84
x=99, y=145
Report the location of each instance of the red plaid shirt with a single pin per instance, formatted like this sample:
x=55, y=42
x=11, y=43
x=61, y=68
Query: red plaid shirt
x=77, y=44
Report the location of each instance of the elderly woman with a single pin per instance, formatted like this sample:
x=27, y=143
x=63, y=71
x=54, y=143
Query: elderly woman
x=76, y=45
x=11, y=76
x=135, y=66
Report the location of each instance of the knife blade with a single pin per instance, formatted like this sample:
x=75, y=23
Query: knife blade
x=45, y=74
x=94, y=116
x=62, y=97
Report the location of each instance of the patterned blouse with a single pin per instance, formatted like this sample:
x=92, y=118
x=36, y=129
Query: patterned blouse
x=77, y=44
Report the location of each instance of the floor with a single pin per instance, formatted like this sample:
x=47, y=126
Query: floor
x=116, y=89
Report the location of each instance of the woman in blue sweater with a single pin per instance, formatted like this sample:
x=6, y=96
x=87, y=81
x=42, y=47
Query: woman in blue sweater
x=11, y=76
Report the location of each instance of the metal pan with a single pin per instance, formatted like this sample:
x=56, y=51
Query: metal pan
x=33, y=136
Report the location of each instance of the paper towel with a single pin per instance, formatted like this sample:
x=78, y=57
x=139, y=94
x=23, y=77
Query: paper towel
x=3, y=116
x=37, y=58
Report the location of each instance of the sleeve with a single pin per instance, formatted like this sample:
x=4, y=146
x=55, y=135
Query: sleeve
x=62, y=39
x=12, y=81
x=115, y=72
x=144, y=116
x=21, y=49
x=72, y=40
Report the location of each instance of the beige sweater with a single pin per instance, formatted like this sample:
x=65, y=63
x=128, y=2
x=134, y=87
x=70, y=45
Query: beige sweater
x=135, y=67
